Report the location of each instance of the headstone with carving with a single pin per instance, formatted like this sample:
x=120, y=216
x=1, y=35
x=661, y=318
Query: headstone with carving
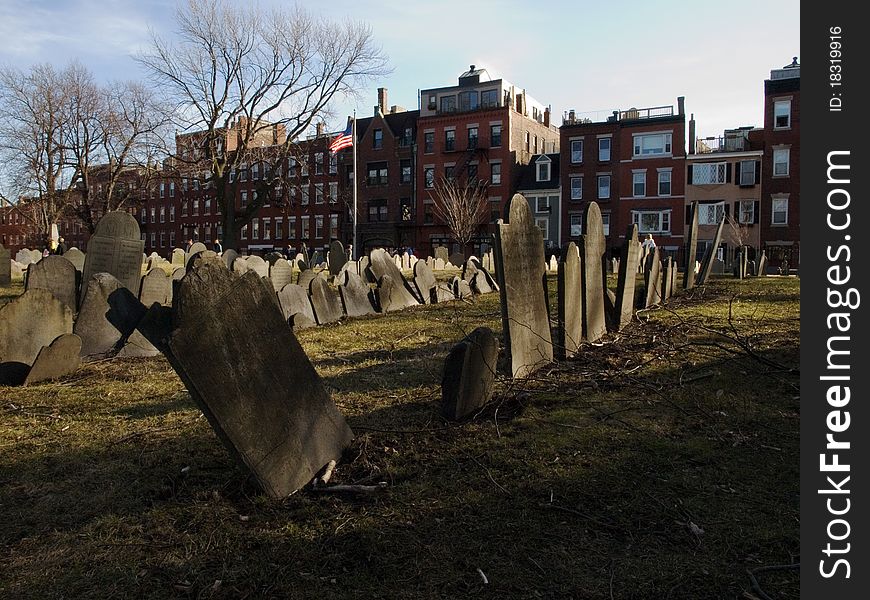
x=76, y=257
x=280, y=273
x=156, y=287
x=57, y=275
x=116, y=249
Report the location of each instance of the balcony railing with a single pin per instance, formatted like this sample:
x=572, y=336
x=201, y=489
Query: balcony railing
x=720, y=144
x=646, y=113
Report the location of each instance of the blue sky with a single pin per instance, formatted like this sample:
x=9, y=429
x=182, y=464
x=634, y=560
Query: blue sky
x=587, y=56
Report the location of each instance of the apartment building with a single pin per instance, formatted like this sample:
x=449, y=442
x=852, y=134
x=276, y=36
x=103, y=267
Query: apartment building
x=540, y=184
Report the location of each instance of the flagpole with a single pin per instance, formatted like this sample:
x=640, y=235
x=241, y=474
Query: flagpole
x=355, y=253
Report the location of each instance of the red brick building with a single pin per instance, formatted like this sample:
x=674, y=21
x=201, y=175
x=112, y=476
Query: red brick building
x=15, y=232
x=482, y=129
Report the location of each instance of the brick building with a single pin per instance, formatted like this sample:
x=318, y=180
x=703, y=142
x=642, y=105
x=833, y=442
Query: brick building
x=632, y=163
x=481, y=129
x=15, y=232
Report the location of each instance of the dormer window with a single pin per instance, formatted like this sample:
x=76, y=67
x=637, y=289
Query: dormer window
x=542, y=168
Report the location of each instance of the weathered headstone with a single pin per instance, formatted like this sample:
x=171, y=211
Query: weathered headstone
x=362, y=266
x=762, y=264
x=424, y=281
x=443, y=253
x=440, y=264
x=57, y=275
x=229, y=255
x=481, y=283
x=653, y=279
x=296, y=306
x=76, y=257
x=59, y=358
x=325, y=300
x=553, y=265
x=115, y=248
x=306, y=276
x=569, y=293
x=177, y=257
x=273, y=257
x=710, y=255
x=156, y=287
x=337, y=257
x=457, y=259
x=24, y=256
x=253, y=380
x=195, y=249
x=356, y=295
x=393, y=295
x=691, y=247
x=380, y=264
x=32, y=320
x=5, y=266
x=109, y=314
x=592, y=249
x=280, y=273
x=470, y=267
x=444, y=292
x=257, y=265
x=667, y=279
x=406, y=261
x=526, y=324
x=462, y=289
x=469, y=374
x=624, y=304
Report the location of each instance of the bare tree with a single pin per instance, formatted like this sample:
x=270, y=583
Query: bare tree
x=462, y=208
x=249, y=82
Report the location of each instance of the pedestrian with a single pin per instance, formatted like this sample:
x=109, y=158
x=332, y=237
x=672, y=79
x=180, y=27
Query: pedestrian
x=61, y=247
x=217, y=246
x=189, y=245
x=649, y=243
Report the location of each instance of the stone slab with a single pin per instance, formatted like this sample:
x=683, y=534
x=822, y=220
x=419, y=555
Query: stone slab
x=27, y=323
x=296, y=306
x=58, y=359
x=325, y=300
x=626, y=279
x=569, y=294
x=592, y=250
x=469, y=374
x=57, y=275
x=115, y=248
x=356, y=295
x=109, y=314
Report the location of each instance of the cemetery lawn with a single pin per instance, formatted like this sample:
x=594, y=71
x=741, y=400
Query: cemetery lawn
x=662, y=463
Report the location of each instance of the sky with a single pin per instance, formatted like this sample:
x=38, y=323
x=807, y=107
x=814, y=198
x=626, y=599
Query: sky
x=586, y=56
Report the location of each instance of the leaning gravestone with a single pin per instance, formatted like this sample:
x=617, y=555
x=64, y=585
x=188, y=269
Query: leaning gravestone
x=424, y=281
x=653, y=279
x=457, y=259
x=109, y=314
x=325, y=300
x=59, y=358
x=296, y=306
x=624, y=304
x=195, y=249
x=525, y=322
x=355, y=295
x=691, y=247
x=362, y=265
x=252, y=379
x=32, y=320
x=710, y=255
x=280, y=273
x=462, y=289
x=592, y=249
x=57, y=275
x=471, y=266
x=380, y=264
x=76, y=257
x=229, y=255
x=667, y=279
x=444, y=292
x=337, y=257
x=393, y=295
x=156, y=287
x=5, y=266
x=469, y=374
x=115, y=248
x=482, y=283
x=762, y=264
x=569, y=330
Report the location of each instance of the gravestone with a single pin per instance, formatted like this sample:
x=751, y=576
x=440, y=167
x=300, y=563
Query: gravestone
x=337, y=257
x=440, y=264
x=24, y=256
x=624, y=304
x=109, y=314
x=57, y=275
x=178, y=273
x=273, y=257
x=156, y=287
x=443, y=253
x=592, y=249
x=470, y=268
x=397, y=260
x=362, y=265
x=553, y=264
x=674, y=279
x=257, y=265
x=5, y=266
x=653, y=279
x=457, y=259
x=481, y=283
x=252, y=379
x=351, y=266
x=691, y=247
x=137, y=346
x=393, y=295
x=710, y=255
x=461, y=289
x=355, y=295
x=444, y=292
x=76, y=257
x=18, y=270
x=316, y=258
x=280, y=273
x=406, y=261
x=569, y=294
x=296, y=306
x=381, y=264
x=27, y=323
x=469, y=374
x=178, y=256
x=325, y=301
x=667, y=279
x=525, y=322
x=115, y=248
x=195, y=249
x=306, y=276
x=425, y=282
x=56, y=360
x=762, y=264
x=240, y=265
x=229, y=255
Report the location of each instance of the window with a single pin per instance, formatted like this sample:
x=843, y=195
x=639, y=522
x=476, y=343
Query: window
x=333, y=192
x=429, y=142
x=528, y=141
x=472, y=173
x=542, y=204
x=255, y=171
x=318, y=162
x=162, y=239
x=747, y=212
x=291, y=228
x=244, y=199
x=304, y=199
x=450, y=172
x=405, y=166
x=172, y=214
x=207, y=206
x=333, y=163
x=472, y=138
x=255, y=229
x=162, y=214
x=153, y=239
x=407, y=137
x=604, y=149
x=429, y=177
x=576, y=188
x=638, y=184
x=267, y=229
x=318, y=226
x=576, y=151
x=183, y=208
x=306, y=227
x=543, y=224
x=652, y=144
x=172, y=189
x=333, y=226
x=708, y=173
x=747, y=172
x=143, y=219
x=303, y=168
x=377, y=142
x=779, y=215
x=243, y=172
x=279, y=228
x=652, y=221
x=780, y=162
x=162, y=189
x=448, y=103
x=291, y=167
x=495, y=173
x=711, y=214
x=664, y=183
x=543, y=170
x=405, y=206
x=603, y=187
x=495, y=135
x=449, y=140
x=377, y=173
x=318, y=193
x=468, y=100
x=782, y=114
x=153, y=215
x=428, y=214
x=172, y=239
x=575, y=221
x=605, y=222
x=377, y=210
x=244, y=232
x=489, y=98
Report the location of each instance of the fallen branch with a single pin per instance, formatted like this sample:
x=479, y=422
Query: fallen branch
x=756, y=587
x=351, y=489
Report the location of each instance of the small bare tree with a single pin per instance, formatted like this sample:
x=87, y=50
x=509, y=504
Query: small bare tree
x=249, y=82
x=462, y=208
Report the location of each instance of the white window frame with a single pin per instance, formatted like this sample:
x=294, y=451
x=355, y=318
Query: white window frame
x=599, y=179
x=318, y=227
x=541, y=165
x=787, y=113
x=780, y=152
x=663, y=215
x=638, y=143
x=495, y=173
x=542, y=204
x=605, y=222
x=576, y=182
x=703, y=212
x=638, y=178
x=576, y=151
x=333, y=192
x=318, y=193
x=601, y=151
x=783, y=201
x=750, y=179
x=543, y=223
x=709, y=173
x=575, y=224
x=665, y=176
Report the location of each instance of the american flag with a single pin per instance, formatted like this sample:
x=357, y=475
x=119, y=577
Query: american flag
x=343, y=140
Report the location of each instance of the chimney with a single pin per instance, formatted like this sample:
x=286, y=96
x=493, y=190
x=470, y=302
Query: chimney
x=571, y=116
x=692, y=141
x=382, y=100
x=320, y=129
x=547, y=117
x=681, y=105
